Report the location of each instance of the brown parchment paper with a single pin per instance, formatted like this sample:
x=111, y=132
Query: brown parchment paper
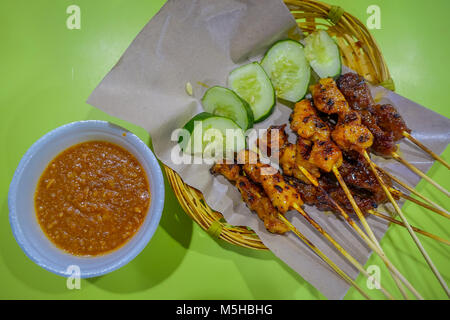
x=202, y=41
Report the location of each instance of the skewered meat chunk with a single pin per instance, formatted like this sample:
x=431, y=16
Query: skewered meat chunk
x=357, y=93
x=376, y=117
x=288, y=162
x=304, y=158
x=273, y=140
x=282, y=195
x=349, y=133
x=352, y=137
x=364, y=202
x=390, y=120
x=328, y=98
x=314, y=196
x=253, y=196
x=307, y=124
x=383, y=142
x=325, y=155
x=355, y=90
x=357, y=173
x=293, y=156
x=231, y=172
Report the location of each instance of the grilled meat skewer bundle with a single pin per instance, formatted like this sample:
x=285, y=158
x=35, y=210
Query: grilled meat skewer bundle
x=385, y=123
x=251, y=194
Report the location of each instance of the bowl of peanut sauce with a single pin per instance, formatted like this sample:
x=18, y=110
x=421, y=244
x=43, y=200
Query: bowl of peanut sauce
x=86, y=199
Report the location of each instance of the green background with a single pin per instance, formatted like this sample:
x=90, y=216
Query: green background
x=47, y=73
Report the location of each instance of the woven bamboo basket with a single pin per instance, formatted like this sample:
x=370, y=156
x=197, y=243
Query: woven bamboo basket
x=359, y=51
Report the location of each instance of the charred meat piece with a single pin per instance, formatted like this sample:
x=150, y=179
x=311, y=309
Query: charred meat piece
x=293, y=156
x=359, y=97
x=273, y=140
x=352, y=137
x=328, y=98
x=314, y=196
x=386, y=117
x=307, y=124
x=349, y=133
x=282, y=195
x=390, y=120
x=325, y=155
x=253, y=196
x=355, y=90
x=357, y=173
x=383, y=142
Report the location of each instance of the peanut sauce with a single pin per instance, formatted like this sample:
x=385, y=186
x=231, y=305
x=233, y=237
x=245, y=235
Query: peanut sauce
x=92, y=198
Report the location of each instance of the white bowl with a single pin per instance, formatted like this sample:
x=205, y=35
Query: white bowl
x=22, y=216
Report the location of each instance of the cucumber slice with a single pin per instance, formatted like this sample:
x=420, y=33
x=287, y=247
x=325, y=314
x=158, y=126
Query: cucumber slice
x=323, y=54
x=287, y=67
x=223, y=102
x=202, y=139
x=253, y=85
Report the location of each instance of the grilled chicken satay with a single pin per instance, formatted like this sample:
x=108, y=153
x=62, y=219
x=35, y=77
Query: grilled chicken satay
x=303, y=121
x=349, y=133
x=253, y=196
x=308, y=125
x=298, y=155
x=283, y=196
x=273, y=140
x=383, y=121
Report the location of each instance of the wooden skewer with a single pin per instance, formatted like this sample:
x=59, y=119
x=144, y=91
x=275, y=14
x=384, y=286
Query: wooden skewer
x=352, y=260
x=420, y=173
x=323, y=256
x=370, y=232
x=374, y=246
x=440, y=211
x=420, y=203
x=353, y=203
x=425, y=233
x=426, y=149
x=333, y=266
x=405, y=221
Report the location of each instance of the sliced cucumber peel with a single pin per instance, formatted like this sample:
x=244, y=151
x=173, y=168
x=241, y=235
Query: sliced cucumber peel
x=287, y=67
x=224, y=102
x=207, y=133
x=323, y=54
x=253, y=85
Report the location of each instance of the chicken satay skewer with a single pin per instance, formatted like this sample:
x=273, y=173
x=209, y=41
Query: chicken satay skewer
x=284, y=198
x=251, y=194
x=281, y=145
x=327, y=156
x=350, y=134
x=408, y=136
x=386, y=124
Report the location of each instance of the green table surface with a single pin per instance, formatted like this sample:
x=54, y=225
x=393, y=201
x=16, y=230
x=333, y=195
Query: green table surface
x=47, y=73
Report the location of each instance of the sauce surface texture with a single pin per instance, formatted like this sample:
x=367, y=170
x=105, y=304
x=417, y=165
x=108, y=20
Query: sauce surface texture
x=92, y=198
